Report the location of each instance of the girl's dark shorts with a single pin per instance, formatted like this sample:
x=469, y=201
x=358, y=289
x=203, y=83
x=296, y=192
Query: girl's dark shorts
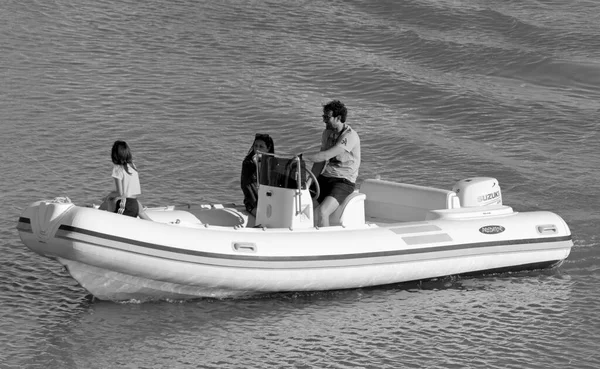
x=338, y=188
x=131, y=207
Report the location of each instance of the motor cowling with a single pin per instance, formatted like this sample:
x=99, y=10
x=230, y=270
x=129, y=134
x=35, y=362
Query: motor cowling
x=478, y=191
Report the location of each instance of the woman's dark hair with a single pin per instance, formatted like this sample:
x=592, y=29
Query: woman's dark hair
x=266, y=139
x=337, y=108
x=121, y=155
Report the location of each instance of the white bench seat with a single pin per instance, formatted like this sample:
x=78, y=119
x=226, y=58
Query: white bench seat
x=389, y=202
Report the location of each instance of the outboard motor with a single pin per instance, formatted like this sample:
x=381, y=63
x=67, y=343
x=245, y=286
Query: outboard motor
x=478, y=191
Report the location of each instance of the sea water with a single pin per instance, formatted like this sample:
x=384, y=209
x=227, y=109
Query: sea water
x=437, y=90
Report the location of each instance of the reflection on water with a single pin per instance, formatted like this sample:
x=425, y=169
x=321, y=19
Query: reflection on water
x=463, y=315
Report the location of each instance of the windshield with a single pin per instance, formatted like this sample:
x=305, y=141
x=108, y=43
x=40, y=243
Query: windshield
x=281, y=172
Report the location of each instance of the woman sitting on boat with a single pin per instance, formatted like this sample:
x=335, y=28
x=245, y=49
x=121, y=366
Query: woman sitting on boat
x=262, y=143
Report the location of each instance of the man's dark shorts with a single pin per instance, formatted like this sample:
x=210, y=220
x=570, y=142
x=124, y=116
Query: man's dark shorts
x=131, y=207
x=338, y=188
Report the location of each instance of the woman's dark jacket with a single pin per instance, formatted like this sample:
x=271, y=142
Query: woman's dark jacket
x=249, y=182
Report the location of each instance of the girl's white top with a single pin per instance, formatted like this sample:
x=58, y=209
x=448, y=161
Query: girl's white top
x=129, y=182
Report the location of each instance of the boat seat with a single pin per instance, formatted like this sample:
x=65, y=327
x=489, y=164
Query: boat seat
x=199, y=216
x=351, y=211
x=401, y=202
x=172, y=216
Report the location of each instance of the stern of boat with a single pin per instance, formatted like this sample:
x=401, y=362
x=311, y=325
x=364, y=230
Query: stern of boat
x=39, y=222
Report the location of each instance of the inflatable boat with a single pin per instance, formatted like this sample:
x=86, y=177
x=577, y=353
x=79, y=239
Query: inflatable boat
x=384, y=233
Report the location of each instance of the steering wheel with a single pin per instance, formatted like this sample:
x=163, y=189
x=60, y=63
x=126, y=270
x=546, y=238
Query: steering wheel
x=309, y=182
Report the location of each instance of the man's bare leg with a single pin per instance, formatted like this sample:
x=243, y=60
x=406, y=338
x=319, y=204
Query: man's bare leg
x=325, y=209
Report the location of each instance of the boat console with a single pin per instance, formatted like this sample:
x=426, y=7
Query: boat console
x=284, y=199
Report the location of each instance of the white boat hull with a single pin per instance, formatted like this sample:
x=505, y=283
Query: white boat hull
x=121, y=258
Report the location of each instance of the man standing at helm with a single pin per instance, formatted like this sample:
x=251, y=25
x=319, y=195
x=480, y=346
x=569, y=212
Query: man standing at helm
x=340, y=149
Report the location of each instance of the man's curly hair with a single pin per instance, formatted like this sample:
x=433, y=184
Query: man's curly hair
x=337, y=108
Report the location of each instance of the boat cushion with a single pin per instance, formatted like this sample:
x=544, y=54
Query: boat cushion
x=402, y=202
x=351, y=211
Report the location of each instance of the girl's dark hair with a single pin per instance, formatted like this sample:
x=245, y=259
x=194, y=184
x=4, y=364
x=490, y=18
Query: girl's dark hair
x=121, y=155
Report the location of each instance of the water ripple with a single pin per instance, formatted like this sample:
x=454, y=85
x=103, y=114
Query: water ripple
x=438, y=91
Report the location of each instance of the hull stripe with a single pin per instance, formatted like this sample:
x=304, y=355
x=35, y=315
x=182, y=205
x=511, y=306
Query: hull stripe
x=433, y=249
x=67, y=232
